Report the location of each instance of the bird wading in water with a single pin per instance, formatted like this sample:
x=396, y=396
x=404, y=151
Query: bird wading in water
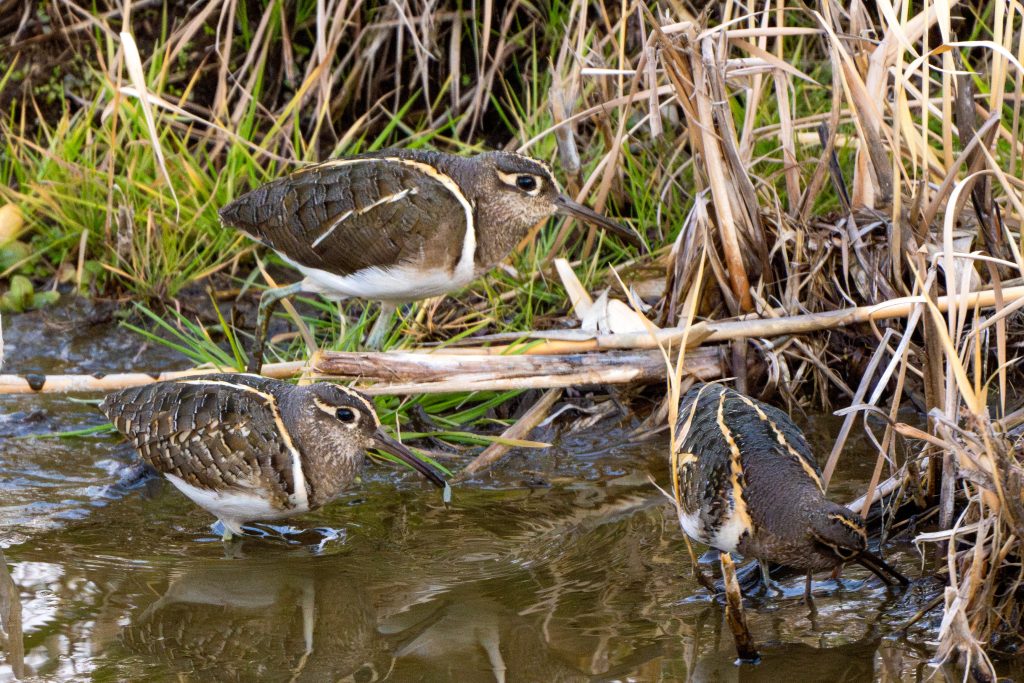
x=745, y=481
x=399, y=225
x=249, y=448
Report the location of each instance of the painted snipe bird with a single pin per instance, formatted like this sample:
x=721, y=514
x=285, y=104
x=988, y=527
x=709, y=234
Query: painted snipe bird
x=399, y=225
x=746, y=481
x=249, y=448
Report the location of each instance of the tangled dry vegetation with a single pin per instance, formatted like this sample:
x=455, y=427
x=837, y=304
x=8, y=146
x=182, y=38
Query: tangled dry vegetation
x=782, y=160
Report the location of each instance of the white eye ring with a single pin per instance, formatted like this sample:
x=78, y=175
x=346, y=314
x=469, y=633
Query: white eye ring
x=514, y=179
x=346, y=415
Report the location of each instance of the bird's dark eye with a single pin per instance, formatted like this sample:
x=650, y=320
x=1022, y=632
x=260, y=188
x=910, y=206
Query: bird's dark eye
x=526, y=183
x=345, y=414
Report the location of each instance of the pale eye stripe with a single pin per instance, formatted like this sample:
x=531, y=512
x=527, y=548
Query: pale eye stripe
x=388, y=199
x=327, y=408
x=369, y=404
x=510, y=180
x=540, y=162
x=860, y=530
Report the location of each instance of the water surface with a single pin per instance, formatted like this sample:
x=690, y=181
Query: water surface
x=582, y=576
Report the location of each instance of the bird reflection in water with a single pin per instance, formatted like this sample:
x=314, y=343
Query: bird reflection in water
x=301, y=621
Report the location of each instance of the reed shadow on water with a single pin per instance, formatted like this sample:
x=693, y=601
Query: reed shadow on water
x=11, y=621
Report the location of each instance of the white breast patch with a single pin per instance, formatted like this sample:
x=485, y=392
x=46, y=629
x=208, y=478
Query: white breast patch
x=399, y=284
x=235, y=507
x=725, y=540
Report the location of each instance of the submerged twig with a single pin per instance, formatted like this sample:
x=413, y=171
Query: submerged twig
x=520, y=430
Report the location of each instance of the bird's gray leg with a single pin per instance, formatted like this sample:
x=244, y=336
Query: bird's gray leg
x=381, y=327
x=808, y=598
x=267, y=303
x=229, y=529
x=766, y=580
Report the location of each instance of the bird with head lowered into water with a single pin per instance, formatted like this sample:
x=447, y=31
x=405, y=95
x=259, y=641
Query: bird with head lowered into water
x=249, y=448
x=746, y=481
x=399, y=225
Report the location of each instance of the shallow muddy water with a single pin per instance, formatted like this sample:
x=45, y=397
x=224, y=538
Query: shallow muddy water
x=586, y=578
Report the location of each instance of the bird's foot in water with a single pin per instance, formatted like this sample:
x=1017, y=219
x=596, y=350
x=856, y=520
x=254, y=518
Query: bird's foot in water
x=767, y=584
x=316, y=538
x=134, y=476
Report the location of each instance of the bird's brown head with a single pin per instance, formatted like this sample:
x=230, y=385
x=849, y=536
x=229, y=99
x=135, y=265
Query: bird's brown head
x=512, y=193
x=340, y=423
x=839, y=529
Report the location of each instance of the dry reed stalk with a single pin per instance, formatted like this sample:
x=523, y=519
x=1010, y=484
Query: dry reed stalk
x=519, y=430
x=746, y=650
x=715, y=164
x=576, y=341
x=433, y=373
x=60, y=384
x=411, y=373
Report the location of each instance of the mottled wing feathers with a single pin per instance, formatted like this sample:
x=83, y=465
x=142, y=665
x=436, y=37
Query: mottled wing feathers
x=213, y=433
x=346, y=215
x=705, y=476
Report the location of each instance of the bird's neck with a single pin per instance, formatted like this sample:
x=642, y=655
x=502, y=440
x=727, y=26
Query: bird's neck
x=498, y=233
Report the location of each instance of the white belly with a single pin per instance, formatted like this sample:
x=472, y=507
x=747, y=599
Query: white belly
x=398, y=285
x=725, y=539
x=234, y=507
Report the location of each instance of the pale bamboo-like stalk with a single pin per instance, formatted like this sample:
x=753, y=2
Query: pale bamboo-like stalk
x=727, y=330
x=415, y=373
x=480, y=369
x=62, y=384
x=734, y=615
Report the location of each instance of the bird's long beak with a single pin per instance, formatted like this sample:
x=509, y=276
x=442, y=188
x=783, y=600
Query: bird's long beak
x=880, y=568
x=568, y=207
x=397, y=449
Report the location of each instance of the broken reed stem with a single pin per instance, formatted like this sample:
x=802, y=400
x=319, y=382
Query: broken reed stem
x=518, y=431
x=883, y=489
x=728, y=330
x=485, y=369
x=745, y=649
x=420, y=373
x=412, y=373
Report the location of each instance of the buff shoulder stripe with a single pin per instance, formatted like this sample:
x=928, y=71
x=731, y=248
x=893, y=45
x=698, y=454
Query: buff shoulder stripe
x=781, y=439
x=465, y=266
x=735, y=468
x=388, y=199
x=678, y=455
